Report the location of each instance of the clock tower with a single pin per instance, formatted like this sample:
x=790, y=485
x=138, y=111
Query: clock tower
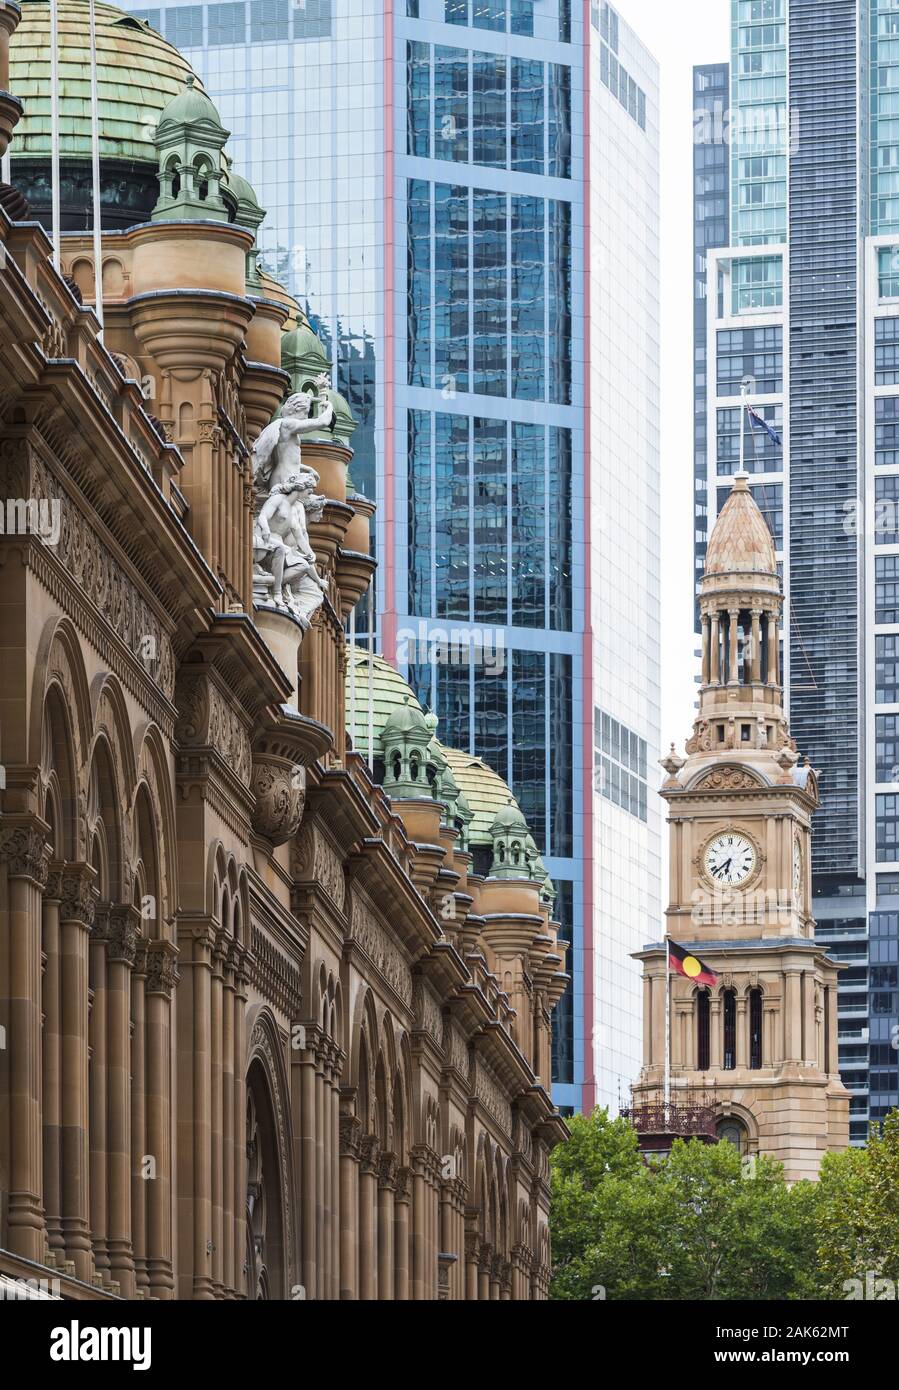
x=756, y=1053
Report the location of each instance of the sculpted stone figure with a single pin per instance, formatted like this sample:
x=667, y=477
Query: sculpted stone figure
x=276, y=453
x=284, y=569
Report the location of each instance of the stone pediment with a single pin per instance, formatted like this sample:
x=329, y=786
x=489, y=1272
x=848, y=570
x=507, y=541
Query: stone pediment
x=729, y=779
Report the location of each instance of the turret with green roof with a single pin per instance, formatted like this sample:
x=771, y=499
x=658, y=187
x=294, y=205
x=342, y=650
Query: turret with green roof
x=190, y=141
x=477, y=796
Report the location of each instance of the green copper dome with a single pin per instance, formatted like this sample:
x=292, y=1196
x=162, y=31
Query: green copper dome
x=389, y=691
x=481, y=791
x=138, y=74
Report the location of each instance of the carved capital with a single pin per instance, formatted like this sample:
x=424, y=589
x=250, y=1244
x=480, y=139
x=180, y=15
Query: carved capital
x=404, y=1184
x=123, y=933
x=370, y=1148
x=350, y=1136
x=161, y=968
x=73, y=886
x=25, y=849
x=387, y=1169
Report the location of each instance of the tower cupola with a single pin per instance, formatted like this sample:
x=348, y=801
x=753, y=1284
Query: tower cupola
x=740, y=602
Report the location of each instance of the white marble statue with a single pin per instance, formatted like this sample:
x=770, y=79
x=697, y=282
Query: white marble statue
x=276, y=453
x=284, y=563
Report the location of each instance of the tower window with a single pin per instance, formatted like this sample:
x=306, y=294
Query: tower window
x=702, y=1031
x=755, y=1029
x=745, y=732
x=730, y=1029
x=720, y=733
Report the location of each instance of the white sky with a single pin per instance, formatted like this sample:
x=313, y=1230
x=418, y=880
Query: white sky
x=679, y=36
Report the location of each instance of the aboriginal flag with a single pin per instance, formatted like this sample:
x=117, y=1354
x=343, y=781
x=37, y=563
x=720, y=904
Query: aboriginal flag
x=690, y=966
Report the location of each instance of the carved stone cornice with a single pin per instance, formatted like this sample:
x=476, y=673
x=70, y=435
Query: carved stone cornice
x=26, y=852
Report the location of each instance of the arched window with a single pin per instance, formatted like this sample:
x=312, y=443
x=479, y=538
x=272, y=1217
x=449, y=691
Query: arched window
x=755, y=1029
x=730, y=1129
x=730, y=1029
x=703, y=1032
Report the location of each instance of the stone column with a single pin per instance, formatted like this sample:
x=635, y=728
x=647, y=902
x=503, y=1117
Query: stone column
x=756, y=663
x=139, y=1118
x=307, y=1148
x=350, y=1144
x=706, y=650
x=320, y=1208
x=793, y=1017
x=50, y=1068
x=742, y=1024
x=833, y=1058
x=716, y=1034
x=485, y=1263
x=232, y=1134
x=216, y=1073
x=98, y=1087
x=334, y=1258
x=77, y=910
x=23, y=845
x=201, y=990
x=368, y=1194
x=733, y=637
x=419, y=1224
x=472, y=1247
x=647, y=1019
x=810, y=1053
x=715, y=650
x=124, y=931
x=387, y=1167
x=237, y=959
x=773, y=645
x=402, y=1206
x=496, y=1274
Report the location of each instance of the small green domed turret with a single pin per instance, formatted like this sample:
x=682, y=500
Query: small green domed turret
x=509, y=833
x=189, y=141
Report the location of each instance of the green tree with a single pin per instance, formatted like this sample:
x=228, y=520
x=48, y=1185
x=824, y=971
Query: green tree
x=858, y=1212
x=697, y=1225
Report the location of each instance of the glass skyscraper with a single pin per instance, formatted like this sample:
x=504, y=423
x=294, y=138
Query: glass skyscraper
x=800, y=303
x=477, y=247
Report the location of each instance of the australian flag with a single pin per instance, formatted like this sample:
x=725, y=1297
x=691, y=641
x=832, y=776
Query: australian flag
x=756, y=421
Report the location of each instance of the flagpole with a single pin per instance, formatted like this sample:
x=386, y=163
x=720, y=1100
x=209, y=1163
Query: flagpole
x=744, y=389
x=95, y=169
x=56, y=221
x=667, y=1026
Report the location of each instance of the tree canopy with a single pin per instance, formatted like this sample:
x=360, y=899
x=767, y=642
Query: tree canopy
x=702, y=1225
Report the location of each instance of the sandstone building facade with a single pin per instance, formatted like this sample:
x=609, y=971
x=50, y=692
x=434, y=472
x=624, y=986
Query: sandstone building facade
x=275, y=1000
x=755, y=1056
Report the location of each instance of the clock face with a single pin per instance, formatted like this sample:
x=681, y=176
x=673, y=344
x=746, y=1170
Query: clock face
x=797, y=868
x=730, y=858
